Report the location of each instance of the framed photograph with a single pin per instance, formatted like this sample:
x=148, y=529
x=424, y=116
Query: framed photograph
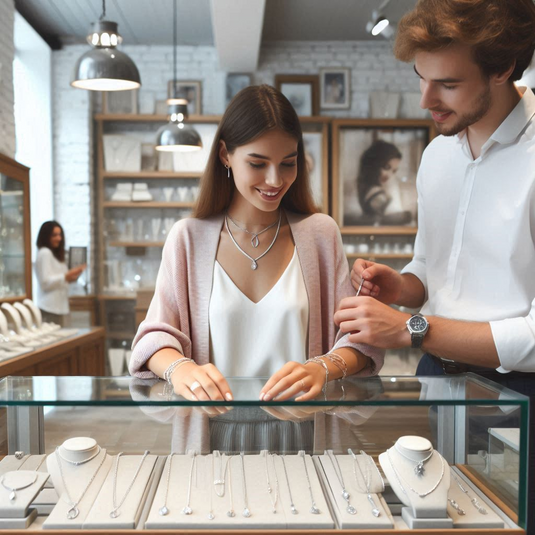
x=234, y=84
x=190, y=90
x=120, y=102
x=301, y=90
x=77, y=256
x=375, y=163
x=335, y=88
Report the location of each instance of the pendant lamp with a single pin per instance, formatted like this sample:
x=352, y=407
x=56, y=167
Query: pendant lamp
x=176, y=136
x=104, y=68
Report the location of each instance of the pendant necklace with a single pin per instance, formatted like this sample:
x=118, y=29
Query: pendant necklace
x=13, y=489
x=115, y=512
x=246, y=512
x=457, y=507
x=73, y=512
x=254, y=261
x=230, y=512
x=474, y=501
x=293, y=509
x=187, y=510
x=314, y=508
x=78, y=463
x=420, y=494
x=419, y=466
x=269, y=489
x=211, y=515
x=164, y=510
x=366, y=478
x=255, y=242
x=221, y=481
x=337, y=470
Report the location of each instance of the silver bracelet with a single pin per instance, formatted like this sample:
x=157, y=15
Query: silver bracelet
x=321, y=362
x=338, y=361
x=172, y=368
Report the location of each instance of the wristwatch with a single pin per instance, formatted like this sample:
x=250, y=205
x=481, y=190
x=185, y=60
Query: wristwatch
x=418, y=327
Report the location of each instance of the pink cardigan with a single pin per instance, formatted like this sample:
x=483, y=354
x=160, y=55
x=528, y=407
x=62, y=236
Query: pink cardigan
x=178, y=314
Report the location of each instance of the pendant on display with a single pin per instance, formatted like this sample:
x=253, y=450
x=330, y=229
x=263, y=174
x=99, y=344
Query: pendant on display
x=254, y=265
x=255, y=242
x=314, y=510
x=187, y=510
x=163, y=511
x=419, y=469
x=351, y=510
x=115, y=513
x=13, y=496
x=231, y=513
x=246, y=513
x=73, y=512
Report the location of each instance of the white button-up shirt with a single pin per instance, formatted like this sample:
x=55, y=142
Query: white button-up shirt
x=475, y=248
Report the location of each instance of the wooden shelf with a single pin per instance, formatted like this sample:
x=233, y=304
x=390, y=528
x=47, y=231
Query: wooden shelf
x=136, y=118
x=382, y=256
x=147, y=204
x=149, y=175
x=379, y=231
x=136, y=244
x=120, y=335
x=117, y=297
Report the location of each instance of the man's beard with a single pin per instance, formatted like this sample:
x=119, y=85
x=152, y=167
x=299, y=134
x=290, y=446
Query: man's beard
x=482, y=106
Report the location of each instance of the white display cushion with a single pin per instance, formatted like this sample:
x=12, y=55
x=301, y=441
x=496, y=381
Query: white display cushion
x=47, y=496
x=19, y=523
x=19, y=508
x=10, y=463
x=33, y=462
x=364, y=519
x=99, y=515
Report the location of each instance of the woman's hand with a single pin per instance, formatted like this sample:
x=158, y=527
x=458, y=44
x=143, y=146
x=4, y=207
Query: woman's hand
x=73, y=274
x=200, y=383
x=293, y=378
x=380, y=281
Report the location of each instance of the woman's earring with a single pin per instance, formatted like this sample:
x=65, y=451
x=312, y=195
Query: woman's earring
x=228, y=171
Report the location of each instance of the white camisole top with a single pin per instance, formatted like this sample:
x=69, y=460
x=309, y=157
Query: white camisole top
x=250, y=339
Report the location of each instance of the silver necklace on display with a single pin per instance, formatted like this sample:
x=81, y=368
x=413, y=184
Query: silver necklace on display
x=419, y=468
x=254, y=261
x=457, y=507
x=366, y=478
x=420, y=494
x=269, y=489
x=246, y=512
x=187, y=510
x=115, y=512
x=255, y=242
x=13, y=490
x=338, y=471
x=314, y=508
x=221, y=481
x=230, y=512
x=164, y=509
x=474, y=501
x=293, y=509
x=211, y=515
x=73, y=512
x=78, y=463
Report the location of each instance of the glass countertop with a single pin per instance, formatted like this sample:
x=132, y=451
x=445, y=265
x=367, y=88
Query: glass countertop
x=463, y=389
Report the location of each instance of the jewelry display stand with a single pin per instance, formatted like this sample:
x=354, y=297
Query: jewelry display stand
x=17, y=491
x=364, y=517
x=10, y=463
x=99, y=516
x=428, y=509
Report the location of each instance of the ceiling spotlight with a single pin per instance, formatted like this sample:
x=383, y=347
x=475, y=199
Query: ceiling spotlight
x=379, y=23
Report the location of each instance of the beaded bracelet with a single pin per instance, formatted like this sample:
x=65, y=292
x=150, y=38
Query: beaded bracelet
x=338, y=361
x=319, y=361
x=173, y=367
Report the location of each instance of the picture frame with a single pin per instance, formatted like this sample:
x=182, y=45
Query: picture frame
x=191, y=90
x=77, y=256
x=234, y=83
x=335, y=88
x=302, y=90
x=374, y=168
x=120, y=102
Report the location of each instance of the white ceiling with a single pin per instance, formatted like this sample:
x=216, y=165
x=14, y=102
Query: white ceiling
x=149, y=22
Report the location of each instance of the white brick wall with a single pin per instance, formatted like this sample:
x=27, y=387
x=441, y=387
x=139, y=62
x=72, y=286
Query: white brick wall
x=7, y=52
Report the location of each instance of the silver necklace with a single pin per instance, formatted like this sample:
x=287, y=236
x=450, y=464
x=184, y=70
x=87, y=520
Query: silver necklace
x=420, y=494
x=221, y=481
x=314, y=508
x=164, y=510
x=293, y=509
x=337, y=470
x=474, y=501
x=230, y=512
x=246, y=512
x=457, y=507
x=366, y=478
x=255, y=242
x=211, y=515
x=73, y=512
x=13, y=490
x=254, y=261
x=419, y=468
x=78, y=463
x=115, y=512
x=187, y=510
x=269, y=489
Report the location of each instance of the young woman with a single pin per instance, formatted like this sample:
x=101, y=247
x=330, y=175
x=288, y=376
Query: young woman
x=52, y=273
x=248, y=286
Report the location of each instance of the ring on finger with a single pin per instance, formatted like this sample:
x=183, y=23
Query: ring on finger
x=195, y=385
x=303, y=384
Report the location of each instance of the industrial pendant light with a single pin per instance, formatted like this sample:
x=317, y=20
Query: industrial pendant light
x=104, y=68
x=175, y=136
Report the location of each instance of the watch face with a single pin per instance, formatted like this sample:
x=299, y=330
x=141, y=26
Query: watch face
x=418, y=324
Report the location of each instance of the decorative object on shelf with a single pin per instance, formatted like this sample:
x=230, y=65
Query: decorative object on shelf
x=116, y=511
x=314, y=159
x=293, y=508
x=384, y=104
x=104, y=68
x=122, y=153
x=183, y=193
x=366, y=477
x=164, y=510
x=10, y=483
x=255, y=242
x=120, y=102
x=123, y=192
x=73, y=511
x=187, y=510
x=313, y=508
x=246, y=511
x=473, y=500
x=234, y=83
x=419, y=467
x=148, y=157
x=168, y=194
x=190, y=90
x=301, y=90
x=273, y=497
x=141, y=192
x=338, y=471
x=335, y=88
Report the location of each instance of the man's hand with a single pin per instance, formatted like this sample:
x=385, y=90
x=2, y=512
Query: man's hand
x=380, y=281
x=373, y=323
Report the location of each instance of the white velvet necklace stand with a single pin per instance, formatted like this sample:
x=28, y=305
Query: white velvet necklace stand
x=420, y=512
x=76, y=477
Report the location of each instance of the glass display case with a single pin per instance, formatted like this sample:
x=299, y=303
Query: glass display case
x=386, y=453
x=15, y=252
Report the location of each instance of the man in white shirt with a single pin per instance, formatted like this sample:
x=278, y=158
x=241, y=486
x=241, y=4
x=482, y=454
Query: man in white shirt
x=473, y=268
